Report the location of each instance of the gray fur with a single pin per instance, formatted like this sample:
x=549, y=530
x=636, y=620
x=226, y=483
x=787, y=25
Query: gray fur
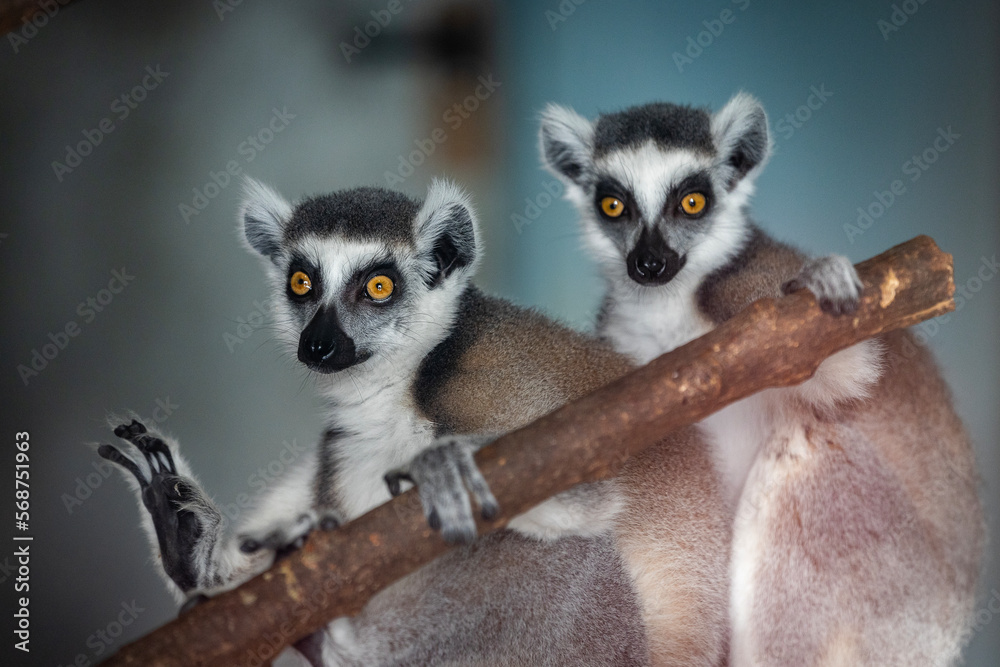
x=262, y=216
x=505, y=600
x=364, y=213
x=566, y=141
x=741, y=137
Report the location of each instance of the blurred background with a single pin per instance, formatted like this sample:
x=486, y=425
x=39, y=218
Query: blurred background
x=124, y=285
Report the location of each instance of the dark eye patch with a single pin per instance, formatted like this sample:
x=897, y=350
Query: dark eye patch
x=386, y=267
x=300, y=263
x=606, y=186
x=696, y=182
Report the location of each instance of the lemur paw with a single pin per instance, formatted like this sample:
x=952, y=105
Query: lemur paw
x=832, y=280
x=282, y=539
x=180, y=510
x=442, y=474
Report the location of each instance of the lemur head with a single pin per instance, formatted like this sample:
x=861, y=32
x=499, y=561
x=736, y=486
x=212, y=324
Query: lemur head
x=364, y=278
x=661, y=186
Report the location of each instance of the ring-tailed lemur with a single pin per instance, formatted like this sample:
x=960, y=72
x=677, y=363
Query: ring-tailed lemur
x=376, y=287
x=858, y=529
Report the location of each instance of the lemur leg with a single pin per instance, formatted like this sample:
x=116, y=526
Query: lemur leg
x=856, y=579
x=446, y=474
x=507, y=599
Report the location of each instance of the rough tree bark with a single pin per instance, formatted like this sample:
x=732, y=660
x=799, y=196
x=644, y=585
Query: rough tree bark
x=772, y=343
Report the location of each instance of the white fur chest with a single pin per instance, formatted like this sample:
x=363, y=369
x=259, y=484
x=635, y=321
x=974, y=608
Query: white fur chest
x=381, y=432
x=649, y=323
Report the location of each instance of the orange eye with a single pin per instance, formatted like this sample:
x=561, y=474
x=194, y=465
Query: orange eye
x=380, y=288
x=300, y=283
x=612, y=207
x=693, y=203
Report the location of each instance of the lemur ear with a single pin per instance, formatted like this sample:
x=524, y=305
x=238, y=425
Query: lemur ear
x=566, y=140
x=445, y=232
x=741, y=137
x=264, y=214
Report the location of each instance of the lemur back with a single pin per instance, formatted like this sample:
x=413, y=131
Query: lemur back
x=507, y=366
x=857, y=529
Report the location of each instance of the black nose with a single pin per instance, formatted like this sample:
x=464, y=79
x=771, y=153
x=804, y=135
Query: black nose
x=313, y=351
x=324, y=346
x=649, y=266
x=652, y=261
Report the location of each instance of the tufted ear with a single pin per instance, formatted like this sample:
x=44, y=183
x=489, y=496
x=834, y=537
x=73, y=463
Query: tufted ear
x=445, y=232
x=566, y=141
x=741, y=138
x=264, y=214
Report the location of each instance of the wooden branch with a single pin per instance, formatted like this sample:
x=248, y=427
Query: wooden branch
x=774, y=342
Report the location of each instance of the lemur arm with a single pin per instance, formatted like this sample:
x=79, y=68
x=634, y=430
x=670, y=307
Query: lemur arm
x=768, y=268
